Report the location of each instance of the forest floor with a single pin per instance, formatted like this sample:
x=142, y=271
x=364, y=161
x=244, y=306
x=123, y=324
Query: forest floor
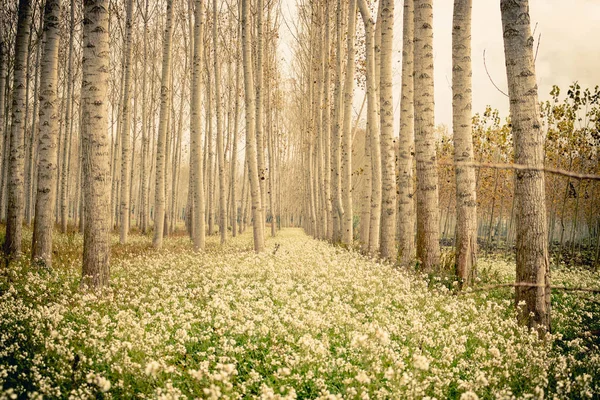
x=305, y=319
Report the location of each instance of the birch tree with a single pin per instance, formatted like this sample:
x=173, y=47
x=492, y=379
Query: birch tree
x=388, y=153
x=16, y=160
x=257, y=208
x=372, y=130
x=126, y=125
x=47, y=169
x=195, y=131
x=347, y=216
x=336, y=141
x=159, y=196
x=218, y=109
x=533, y=266
x=428, y=214
x=96, y=145
x=406, y=210
x=466, y=202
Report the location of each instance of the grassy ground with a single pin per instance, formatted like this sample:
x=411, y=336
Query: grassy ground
x=303, y=320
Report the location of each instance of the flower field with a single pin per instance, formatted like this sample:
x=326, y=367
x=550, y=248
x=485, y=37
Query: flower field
x=302, y=320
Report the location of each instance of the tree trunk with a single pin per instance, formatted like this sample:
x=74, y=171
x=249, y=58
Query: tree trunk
x=428, y=213
x=372, y=132
x=406, y=145
x=388, y=154
x=257, y=208
x=96, y=150
x=159, y=196
x=326, y=125
x=14, y=220
x=196, y=134
x=532, y=246
x=347, y=218
x=126, y=125
x=30, y=167
x=46, y=187
x=336, y=142
x=466, y=194
x=220, y=146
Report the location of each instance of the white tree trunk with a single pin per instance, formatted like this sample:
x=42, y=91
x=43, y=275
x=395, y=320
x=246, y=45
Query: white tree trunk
x=466, y=196
x=196, y=134
x=406, y=145
x=220, y=146
x=251, y=159
x=14, y=220
x=336, y=142
x=47, y=170
x=388, y=153
x=372, y=241
x=532, y=231
x=126, y=125
x=428, y=213
x=159, y=196
x=96, y=145
x=347, y=219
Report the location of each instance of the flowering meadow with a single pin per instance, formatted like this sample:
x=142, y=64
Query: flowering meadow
x=303, y=320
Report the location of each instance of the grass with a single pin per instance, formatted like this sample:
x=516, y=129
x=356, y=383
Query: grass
x=307, y=320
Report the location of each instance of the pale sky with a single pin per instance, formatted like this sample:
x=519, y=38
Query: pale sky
x=569, y=50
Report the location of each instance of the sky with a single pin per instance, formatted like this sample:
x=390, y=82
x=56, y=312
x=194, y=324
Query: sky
x=569, y=50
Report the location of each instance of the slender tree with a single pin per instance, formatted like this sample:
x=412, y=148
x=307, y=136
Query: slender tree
x=372, y=130
x=218, y=109
x=46, y=181
x=406, y=208
x=428, y=214
x=196, y=134
x=388, y=153
x=336, y=132
x=347, y=216
x=159, y=196
x=96, y=145
x=533, y=266
x=251, y=159
x=126, y=124
x=466, y=201
x=14, y=220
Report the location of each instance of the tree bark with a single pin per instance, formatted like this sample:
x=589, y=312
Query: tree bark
x=126, y=126
x=466, y=194
x=14, y=220
x=406, y=145
x=46, y=186
x=220, y=145
x=372, y=242
x=346, y=148
x=251, y=158
x=532, y=246
x=428, y=213
x=388, y=153
x=159, y=196
x=96, y=145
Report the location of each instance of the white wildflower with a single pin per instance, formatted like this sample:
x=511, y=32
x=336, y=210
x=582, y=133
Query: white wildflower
x=152, y=368
x=421, y=362
x=362, y=377
x=469, y=396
